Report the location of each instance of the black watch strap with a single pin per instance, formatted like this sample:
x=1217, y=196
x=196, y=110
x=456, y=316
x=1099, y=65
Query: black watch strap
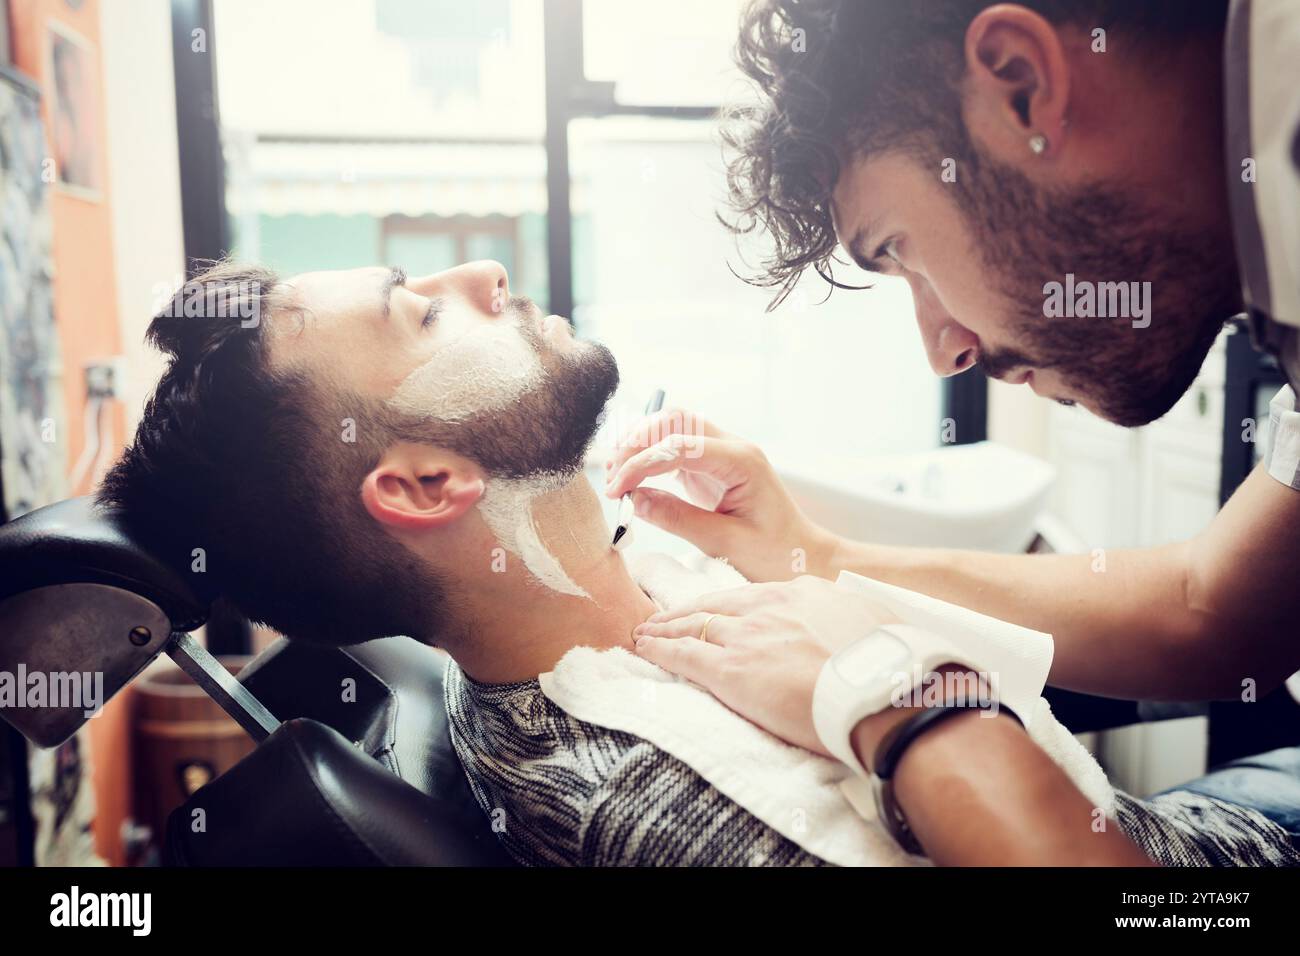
x=891, y=750
x=895, y=743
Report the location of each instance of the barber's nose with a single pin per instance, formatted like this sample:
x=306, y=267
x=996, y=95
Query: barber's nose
x=949, y=345
x=484, y=283
x=956, y=350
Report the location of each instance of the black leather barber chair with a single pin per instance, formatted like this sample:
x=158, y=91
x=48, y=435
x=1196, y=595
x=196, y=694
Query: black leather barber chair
x=353, y=765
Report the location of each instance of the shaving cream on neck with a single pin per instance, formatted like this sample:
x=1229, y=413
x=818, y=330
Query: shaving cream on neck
x=507, y=510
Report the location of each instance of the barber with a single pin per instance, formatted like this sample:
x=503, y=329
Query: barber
x=1203, y=619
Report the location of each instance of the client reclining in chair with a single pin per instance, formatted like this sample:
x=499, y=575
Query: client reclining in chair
x=363, y=453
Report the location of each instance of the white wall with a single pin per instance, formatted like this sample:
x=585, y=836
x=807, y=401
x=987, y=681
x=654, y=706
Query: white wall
x=144, y=178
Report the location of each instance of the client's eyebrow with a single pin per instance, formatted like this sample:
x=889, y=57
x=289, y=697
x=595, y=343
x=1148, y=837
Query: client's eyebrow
x=396, y=276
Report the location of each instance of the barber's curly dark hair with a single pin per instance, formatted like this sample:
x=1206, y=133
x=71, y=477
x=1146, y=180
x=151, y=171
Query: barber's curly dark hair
x=843, y=78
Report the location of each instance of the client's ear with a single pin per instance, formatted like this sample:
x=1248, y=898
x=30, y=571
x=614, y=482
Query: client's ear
x=419, y=487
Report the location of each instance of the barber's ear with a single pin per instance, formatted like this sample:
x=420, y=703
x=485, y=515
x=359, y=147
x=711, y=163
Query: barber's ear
x=419, y=488
x=1018, y=77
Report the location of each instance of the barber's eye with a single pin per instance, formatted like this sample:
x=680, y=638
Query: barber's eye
x=886, y=255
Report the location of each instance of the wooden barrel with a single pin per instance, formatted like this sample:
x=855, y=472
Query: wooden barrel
x=181, y=740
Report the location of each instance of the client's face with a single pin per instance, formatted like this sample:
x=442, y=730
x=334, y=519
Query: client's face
x=486, y=374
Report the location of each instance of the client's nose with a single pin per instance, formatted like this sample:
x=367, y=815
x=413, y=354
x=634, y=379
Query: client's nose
x=487, y=284
x=484, y=283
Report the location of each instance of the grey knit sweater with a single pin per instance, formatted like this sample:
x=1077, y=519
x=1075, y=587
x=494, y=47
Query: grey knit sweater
x=562, y=792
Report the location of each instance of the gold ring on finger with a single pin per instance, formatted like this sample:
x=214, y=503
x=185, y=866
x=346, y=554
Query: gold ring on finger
x=704, y=631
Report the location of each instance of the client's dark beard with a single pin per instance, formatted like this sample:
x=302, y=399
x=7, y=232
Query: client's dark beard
x=1130, y=376
x=547, y=429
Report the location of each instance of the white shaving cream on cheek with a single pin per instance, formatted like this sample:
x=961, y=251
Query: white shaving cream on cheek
x=488, y=367
x=507, y=510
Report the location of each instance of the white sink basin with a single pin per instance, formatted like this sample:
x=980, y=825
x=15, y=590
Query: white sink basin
x=984, y=496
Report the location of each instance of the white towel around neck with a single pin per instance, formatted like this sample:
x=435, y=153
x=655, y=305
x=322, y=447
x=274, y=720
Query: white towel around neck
x=813, y=801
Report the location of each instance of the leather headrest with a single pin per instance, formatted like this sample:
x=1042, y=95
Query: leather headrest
x=78, y=540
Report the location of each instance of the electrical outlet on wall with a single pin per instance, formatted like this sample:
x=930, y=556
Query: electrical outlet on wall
x=106, y=378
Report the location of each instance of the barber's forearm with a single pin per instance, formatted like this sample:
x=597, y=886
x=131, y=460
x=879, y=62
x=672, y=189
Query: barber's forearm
x=978, y=791
x=1119, y=620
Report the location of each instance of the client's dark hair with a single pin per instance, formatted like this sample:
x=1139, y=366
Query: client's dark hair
x=841, y=78
x=261, y=469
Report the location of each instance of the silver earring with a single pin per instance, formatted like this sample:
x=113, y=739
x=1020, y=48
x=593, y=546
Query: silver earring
x=1038, y=144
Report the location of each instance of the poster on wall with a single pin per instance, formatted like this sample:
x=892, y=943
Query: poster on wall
x=6, y=47
x=33, y=455
x=74, y=111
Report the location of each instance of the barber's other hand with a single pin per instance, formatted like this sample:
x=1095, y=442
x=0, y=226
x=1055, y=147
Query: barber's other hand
x=735, y=505
x=765, y=649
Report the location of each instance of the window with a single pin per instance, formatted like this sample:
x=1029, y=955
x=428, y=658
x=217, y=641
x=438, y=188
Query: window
x=652, y=267
x=401, y=132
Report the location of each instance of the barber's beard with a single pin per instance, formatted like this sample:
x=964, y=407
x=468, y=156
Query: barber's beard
x=547, y=429
x=1101, y=234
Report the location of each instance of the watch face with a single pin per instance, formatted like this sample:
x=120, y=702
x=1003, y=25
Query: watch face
x=873, y=660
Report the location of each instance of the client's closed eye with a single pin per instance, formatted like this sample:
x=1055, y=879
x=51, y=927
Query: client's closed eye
x=432, y=313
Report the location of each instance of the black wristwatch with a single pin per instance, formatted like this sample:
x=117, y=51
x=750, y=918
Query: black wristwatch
x=891, y=749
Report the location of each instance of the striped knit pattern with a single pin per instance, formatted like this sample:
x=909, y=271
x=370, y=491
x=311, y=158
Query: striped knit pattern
x=562, y=792
x=1182, y=828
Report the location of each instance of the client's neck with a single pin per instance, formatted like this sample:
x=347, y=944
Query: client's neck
x=512, y=627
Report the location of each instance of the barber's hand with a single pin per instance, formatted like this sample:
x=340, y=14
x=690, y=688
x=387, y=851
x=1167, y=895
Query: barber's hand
x=735, y=505
x=766, y=644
